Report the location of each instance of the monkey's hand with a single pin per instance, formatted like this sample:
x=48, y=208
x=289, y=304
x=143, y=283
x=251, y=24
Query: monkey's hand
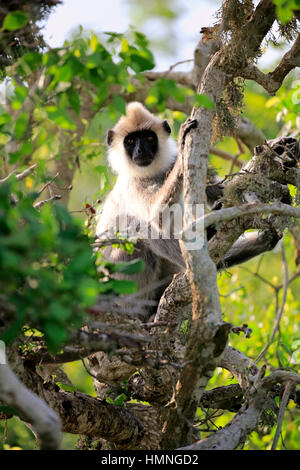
x=170, y=192
x=185, y=128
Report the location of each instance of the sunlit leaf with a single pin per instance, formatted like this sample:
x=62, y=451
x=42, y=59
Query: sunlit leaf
x=15, y=20
x=205, y=101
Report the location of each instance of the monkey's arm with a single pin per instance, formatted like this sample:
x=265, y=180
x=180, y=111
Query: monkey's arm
x=170, y=191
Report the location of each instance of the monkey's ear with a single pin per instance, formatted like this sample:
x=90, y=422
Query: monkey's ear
x=109, y=136
x=166, y=127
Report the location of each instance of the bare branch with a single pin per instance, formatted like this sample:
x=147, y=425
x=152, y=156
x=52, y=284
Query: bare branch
x=226, y=156
x=39, y=204
x=289, y=61
x=83, y=343
x=22, y=175
x=279, y=311
x=230, y=213
x=284, y=402
x=43, y=419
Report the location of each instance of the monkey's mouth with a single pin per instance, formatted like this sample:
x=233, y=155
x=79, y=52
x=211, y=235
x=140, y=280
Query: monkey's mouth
x=143, y=161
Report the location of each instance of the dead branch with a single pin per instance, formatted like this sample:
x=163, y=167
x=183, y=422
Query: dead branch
x=33, y=410
x=20, y=176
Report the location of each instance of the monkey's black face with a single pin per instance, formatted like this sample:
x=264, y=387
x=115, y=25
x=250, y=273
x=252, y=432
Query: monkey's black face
x=141, y=147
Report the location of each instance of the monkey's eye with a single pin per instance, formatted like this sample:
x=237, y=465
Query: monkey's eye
x=150, y=138
x=130, y=141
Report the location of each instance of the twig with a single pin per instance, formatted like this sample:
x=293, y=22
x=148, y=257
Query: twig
x=226, y=156
x=246, y=419
x=22, y=175
x=259, y=276
x=39, y=204
x=284, y=402
x=225, y=296
x=48, y=183
x=279, y=311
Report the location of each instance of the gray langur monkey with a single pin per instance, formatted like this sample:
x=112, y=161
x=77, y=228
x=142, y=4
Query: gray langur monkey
x=149, y=175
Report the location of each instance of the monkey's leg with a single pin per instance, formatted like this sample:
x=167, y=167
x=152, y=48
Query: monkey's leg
x=248, y=246
x=245, y=248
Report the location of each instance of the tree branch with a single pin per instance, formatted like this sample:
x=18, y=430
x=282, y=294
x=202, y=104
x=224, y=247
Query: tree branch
x=43, y=419
x=245, y=421
x=272, y=81
x=83, y=414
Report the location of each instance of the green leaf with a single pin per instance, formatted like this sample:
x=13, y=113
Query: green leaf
x=21, y=125
x=5, y=118
x=106, y=286
x=74, y=99
x=81, y=262
x=142, y=60
x=15, y=20
x=120, y=399
x=60, y=117
x=285, y=9
x=50, y=58
x=55, y=335
x=124, y=286
x=88, y=290
x=119, y=103
x=67, y=387
x=25, y=149
x=8, y=410
x=94, y=60
x=205, y=101
x=133, y=267
x=32, y=59
x=58, y=313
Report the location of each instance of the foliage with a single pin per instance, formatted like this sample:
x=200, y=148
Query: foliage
x=20, y=24
x=285, y=9
x=161, y=13
x=85, y=66
x=247, y=298
x=46, y=254
x=287, y=105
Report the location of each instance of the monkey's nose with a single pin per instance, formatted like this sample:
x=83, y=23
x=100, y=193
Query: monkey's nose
x=138, y=152
x=139, y=149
